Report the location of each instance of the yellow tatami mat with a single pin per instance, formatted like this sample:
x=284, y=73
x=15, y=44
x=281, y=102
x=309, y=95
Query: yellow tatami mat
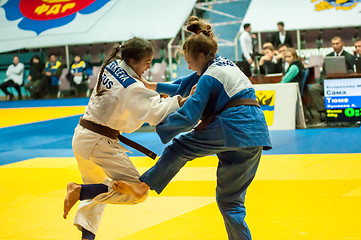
x=293, y=197
x=17, y=116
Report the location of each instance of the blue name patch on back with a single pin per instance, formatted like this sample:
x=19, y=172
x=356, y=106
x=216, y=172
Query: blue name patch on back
x=220, y=61
x=120, y=74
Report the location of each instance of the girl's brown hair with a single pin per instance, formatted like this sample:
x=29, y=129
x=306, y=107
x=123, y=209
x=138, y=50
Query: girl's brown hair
x=293, y=53
x=135, y=48
x=203, y=40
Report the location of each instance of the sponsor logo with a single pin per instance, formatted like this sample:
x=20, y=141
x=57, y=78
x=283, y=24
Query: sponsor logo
x=266, y=100
x=321, y=5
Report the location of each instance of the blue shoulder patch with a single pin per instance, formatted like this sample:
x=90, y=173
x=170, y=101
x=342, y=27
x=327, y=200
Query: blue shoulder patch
x=120, y=74
x=221, y=61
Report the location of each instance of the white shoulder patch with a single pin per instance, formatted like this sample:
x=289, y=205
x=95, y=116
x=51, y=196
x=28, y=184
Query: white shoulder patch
x=231, y=77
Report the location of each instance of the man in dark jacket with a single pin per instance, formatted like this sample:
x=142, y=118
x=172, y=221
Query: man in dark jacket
x=281, y=37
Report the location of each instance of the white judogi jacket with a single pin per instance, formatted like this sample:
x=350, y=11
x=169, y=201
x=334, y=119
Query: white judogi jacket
x=125, y=105
x=15, y=73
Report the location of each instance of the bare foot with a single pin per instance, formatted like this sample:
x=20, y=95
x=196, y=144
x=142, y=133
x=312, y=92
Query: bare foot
x=72, y=196
x=136, y=189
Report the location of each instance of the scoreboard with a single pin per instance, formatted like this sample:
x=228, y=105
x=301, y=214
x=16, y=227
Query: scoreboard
x=343, y=99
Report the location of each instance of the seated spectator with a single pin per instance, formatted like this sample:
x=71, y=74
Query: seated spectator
x=36, y=84
x=316, y=90
x=268, y=63
x=77, y=71
x=53, y=70
x=14, y=74
x=280, y=54
x=337, y=45
x=296, y=70
x=77, y=74
x=266, y=44
x=281, y=37
x=357, y=55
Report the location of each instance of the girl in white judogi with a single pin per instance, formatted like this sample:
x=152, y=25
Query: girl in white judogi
x=119, y=102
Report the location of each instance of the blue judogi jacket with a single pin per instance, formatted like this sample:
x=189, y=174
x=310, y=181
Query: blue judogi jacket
x=182, y=86
x=221, y=81
x=53, y=68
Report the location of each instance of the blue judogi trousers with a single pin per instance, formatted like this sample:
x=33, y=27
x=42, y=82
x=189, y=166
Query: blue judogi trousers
x=236, y=170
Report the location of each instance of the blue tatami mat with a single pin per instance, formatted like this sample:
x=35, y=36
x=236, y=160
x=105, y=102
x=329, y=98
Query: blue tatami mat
x=53, y=139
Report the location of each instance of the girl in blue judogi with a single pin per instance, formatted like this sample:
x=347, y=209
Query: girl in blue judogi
x=233, y=127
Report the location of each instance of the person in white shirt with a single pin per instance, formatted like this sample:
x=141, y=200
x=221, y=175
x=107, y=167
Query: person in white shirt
x=14, y=74
x=247, y=48
x=281, y=36
x=119, y=103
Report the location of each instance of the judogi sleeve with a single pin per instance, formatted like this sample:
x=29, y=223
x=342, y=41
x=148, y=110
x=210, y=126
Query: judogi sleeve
x=188, y=116
x=182, y=86
x=147, y=106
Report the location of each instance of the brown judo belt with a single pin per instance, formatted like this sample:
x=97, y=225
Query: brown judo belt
x=114, y=134
x=231, y=103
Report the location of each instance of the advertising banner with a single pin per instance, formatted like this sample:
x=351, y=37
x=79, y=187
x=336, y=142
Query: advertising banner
x=281, y=105
x=47, y=23
x=263, y=15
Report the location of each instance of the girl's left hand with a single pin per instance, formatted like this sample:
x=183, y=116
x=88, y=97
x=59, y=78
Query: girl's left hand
x=149, y=85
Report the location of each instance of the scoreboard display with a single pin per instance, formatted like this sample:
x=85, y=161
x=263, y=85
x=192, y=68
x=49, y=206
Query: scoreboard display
x=343, y=99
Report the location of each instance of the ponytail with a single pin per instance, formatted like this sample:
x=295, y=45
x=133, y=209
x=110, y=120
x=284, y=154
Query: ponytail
x=112, y=55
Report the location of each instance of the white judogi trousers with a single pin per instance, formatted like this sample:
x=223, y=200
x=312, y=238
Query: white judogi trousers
x=101, y=160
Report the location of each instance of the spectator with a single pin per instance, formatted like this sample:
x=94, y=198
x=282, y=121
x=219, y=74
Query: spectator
x=53, y=70
x=77, y=74
x=357, y=52
x=357, y=55
x=281, y=37
x=296, y=70
x=268, y=63
x=247, y=49
x=266, y=44
x=77, y=71
x=280, y=54
x=14, y=74
x=316, y=90
x=36, y=84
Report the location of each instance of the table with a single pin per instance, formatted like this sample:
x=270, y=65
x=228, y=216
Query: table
x=343, y=75
x=277, y=78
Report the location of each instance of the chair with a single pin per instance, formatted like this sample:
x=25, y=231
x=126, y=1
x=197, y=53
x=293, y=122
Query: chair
x=302, y=88
x=304, y=80
x=158, y=72
x=316, y=61
x=93, y=80
x=146, y=75
x=64, y=84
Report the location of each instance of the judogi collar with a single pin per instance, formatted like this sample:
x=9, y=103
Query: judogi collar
x=128, y=69
x=209, y=64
